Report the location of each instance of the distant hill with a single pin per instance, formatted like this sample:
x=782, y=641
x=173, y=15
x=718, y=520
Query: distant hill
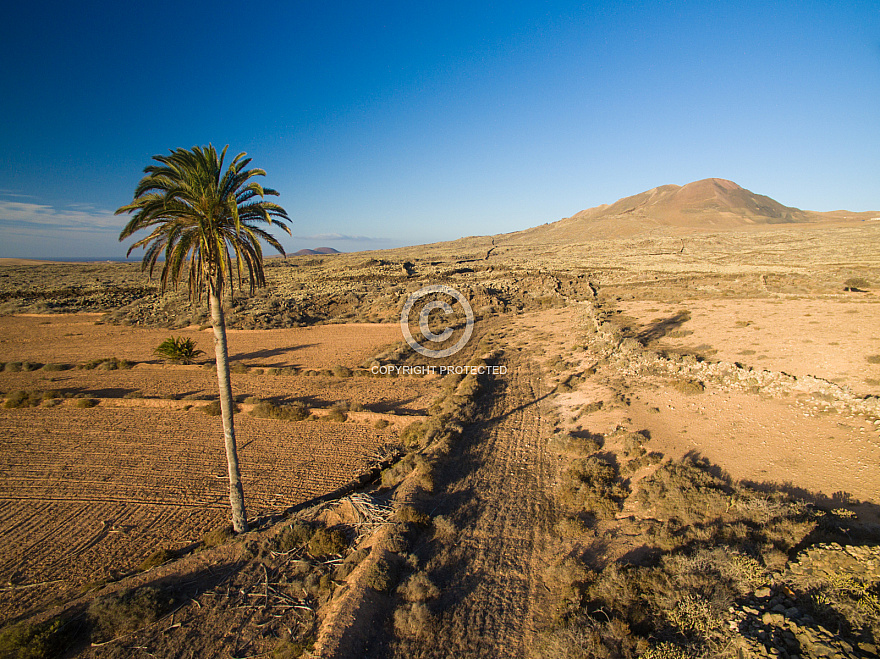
x=316, y=251
x=712, y=204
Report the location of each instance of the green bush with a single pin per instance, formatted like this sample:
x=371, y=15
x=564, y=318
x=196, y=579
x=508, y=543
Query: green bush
x=45, y=640
x=178, y=350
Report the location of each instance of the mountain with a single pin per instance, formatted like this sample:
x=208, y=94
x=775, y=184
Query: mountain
x=712, y=204
x=317, y=251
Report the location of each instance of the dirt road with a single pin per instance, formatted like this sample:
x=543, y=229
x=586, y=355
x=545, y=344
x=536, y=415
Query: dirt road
x=489, y=573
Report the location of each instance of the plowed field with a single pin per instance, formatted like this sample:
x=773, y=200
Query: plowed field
x=87, y=494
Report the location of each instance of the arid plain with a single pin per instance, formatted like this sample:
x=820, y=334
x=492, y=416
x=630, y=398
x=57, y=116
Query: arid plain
x=674, y=456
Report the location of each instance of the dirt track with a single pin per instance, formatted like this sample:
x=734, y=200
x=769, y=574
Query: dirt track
x=490, y=576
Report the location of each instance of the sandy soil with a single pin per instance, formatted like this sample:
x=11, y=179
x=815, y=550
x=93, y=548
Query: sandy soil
x=72, y=338
x=828, y=337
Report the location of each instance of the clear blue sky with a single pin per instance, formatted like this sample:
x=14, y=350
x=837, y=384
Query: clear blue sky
x=390, y=123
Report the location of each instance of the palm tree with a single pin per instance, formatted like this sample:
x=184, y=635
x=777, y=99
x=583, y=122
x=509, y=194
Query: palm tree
x=200, y=215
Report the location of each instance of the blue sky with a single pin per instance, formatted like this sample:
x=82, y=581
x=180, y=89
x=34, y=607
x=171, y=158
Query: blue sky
x=391, y=123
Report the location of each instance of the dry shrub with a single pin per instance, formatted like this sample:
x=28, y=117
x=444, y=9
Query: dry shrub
x=341, y=371
x=688, y=387
x=582, y=445
x=666, y=650
x=381, y=576
x=381, y=424
x=218, y=536
x=296, y=535
x=335, y=415
x=592, y=485
x=633, y=444
x=873, y=359
x=85, y=403
x=107, y=364
x=213, y=408
x=630, y=467
x=157, y=558
x=400, y=470
x=293, y=649
x=409, y=515
x=56, y=367
x=414, y=620
x=444, y=528
x=12, y=367
x=296, y=411
x=21, y=399
x=350, y=563
x=586, y=638
x=327, y=542
x=418, y=588
x=238, y=369
x=590, y=408
x=567, y=579
x=120, y=613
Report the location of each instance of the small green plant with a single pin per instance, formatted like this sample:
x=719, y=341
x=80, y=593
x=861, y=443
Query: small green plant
x=178, y=350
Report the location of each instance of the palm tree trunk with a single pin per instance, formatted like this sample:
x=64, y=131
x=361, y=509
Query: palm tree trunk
x=236, y=492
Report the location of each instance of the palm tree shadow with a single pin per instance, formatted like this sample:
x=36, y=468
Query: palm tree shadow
x=658, y=329
x=271, y=352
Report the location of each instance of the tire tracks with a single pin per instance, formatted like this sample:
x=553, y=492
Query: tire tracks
x=492, y=574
